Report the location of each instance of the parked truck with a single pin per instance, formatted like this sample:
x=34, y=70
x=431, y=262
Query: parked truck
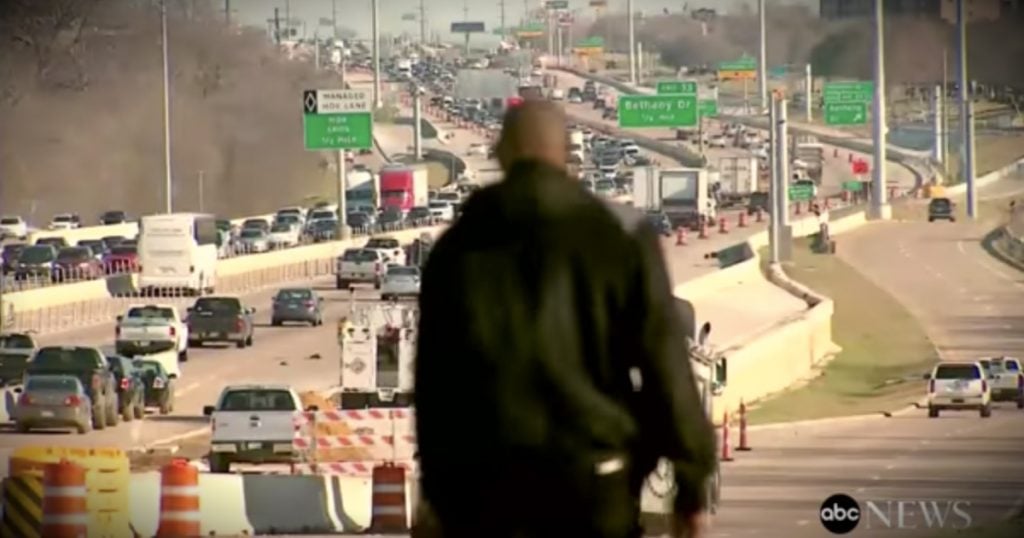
x=683, y=194
x=377, y=345
x=403, y=187
x=737, y=179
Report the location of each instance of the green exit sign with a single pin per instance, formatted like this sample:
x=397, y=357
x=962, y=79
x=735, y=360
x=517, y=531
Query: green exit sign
x=708, y=107
x=846, y=113
x=677, y=87
x=801, y=193
x=657, y=111
x=848, y=92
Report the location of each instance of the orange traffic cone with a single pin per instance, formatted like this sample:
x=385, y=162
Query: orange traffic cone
x=743, y=446
x=726, y=447
x=742, y=221
x=389, y=513
x=723, y=225
x=680, y=236
x=65, y=514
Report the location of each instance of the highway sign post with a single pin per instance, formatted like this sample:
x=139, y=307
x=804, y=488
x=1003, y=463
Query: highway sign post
x=657, y=110
x=800, y=193
x=846, y=103
x=338, y=120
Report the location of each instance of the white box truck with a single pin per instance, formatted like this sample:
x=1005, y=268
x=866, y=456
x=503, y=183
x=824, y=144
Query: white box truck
x=683, y=194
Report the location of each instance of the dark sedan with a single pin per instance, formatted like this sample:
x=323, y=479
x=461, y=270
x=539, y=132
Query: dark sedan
x=159, y=385
x=131, y=391
x=300, y=305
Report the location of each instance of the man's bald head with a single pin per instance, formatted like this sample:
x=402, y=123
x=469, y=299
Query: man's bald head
x=534, y=130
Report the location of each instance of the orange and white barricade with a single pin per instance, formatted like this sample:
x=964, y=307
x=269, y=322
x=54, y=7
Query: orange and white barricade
x=350, y=442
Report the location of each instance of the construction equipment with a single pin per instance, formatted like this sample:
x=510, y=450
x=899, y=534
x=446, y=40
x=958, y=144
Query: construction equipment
x=377, y=344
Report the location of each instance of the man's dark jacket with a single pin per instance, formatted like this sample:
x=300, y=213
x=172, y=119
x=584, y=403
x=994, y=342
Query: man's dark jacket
x=535, y=306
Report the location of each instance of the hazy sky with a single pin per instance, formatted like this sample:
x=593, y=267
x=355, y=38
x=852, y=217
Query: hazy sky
x=355, y=14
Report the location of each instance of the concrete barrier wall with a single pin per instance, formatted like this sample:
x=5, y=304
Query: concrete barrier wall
x=775, y=360
x=59, y=307
x=236, y=505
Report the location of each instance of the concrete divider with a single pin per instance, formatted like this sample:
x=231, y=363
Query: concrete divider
x=128, y=229
x=792, y=351
x=78, y=304
x=222, y=504
x=251, y=504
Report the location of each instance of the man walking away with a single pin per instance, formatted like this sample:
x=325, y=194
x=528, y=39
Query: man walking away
x=537, y=309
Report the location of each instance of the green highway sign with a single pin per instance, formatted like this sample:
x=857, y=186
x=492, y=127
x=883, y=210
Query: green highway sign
x=557, y=4
x=846, y=113
x=337, y=119
x=708, y=108
x=800, y=193
x=849, y=92
x=853, y=186
x=657, y=110
x=595, y=42
x=745, y=63
x=677, y=87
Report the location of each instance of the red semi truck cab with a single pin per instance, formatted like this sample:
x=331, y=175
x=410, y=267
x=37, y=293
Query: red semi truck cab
x=403, y=187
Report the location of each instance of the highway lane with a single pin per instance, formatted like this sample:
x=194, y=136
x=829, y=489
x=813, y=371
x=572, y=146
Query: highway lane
x=969, y=305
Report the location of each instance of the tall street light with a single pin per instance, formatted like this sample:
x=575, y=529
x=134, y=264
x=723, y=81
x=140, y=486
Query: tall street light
x=168, y=182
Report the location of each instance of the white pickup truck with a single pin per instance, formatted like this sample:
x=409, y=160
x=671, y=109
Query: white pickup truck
x=360, y=266
x=152, y=328
x=1007, y=379
x=252, y=424
x=389, y=247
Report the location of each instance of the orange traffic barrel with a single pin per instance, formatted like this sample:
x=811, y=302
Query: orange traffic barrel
x=65, y=514
x=179, y=500
x=389, y=513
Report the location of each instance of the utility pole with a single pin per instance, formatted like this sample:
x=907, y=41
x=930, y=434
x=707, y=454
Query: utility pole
x=945, y=110
x=377, y=99
x=937, y=113
x=423, y=22
x=334, y=19
x=277, y=26
x=808, y=93
x=781, y=208
x=201, y=188
x=774, y=184
x=762, y=57
x=288, y=18
x=417, y=118
x=880, y=208
x=966, y=114
x=631, y=23
x=344, y=232
x=227, y=12
x=168, y=181
x=465, y=17
x=501, y=6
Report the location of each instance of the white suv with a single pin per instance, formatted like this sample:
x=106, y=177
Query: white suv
x=959, y=386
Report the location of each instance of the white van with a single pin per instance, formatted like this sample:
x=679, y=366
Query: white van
x=178, y=252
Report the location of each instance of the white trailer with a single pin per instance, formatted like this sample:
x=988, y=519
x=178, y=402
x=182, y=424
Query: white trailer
x=737, y=179
x=377, y=345
x=684, y=194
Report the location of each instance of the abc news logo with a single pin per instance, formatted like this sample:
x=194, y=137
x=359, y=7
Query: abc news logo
x=841, y=514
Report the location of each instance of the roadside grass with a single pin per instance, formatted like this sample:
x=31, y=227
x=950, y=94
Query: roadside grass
x=991, y=153
x=885, y=351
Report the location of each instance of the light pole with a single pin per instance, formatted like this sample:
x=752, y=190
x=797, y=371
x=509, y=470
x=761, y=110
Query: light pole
x=762, y=57
x=168, y=182
x=377, y=101
x=966, y=113
x=632, y=41
x=880, y=208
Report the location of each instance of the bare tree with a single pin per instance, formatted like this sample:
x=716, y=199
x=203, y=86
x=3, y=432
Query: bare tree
x=52, y=31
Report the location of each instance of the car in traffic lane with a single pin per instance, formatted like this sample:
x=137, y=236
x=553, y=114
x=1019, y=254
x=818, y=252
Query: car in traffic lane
x=158, y=385
x=53, y=402
x=220, y=319
x=959, y=386
x=301, y=305
x=400, y=281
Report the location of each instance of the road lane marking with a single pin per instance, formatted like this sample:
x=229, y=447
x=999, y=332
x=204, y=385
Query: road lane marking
x=175, y=438
x=187, y=388
x=1001, y=275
